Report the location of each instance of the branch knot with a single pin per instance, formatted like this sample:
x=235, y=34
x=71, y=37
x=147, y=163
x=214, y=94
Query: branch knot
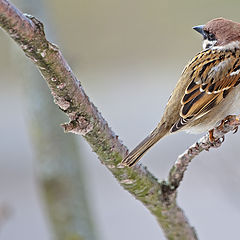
x=80, y=125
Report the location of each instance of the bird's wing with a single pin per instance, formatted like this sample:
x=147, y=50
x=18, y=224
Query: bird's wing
x=212, y=75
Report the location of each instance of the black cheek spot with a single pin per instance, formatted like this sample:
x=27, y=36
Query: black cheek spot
x=208, y=45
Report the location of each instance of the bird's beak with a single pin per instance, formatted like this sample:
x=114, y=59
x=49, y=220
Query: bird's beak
x=200, y=29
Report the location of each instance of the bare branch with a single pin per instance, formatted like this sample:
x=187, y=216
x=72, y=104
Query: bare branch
x=176, y=173
x=85, y=120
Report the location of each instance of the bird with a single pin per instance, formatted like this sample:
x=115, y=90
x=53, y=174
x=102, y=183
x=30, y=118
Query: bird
x=207, y=91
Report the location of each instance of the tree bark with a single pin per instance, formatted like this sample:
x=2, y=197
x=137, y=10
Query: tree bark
x=59, y=168
x=68, y=94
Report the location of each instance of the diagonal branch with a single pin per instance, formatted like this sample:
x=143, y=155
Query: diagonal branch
x=84, y=119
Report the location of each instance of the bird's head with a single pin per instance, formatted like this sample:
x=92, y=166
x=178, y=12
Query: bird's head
x=220, y=33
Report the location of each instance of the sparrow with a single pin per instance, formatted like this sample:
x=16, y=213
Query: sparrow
x=207, y=91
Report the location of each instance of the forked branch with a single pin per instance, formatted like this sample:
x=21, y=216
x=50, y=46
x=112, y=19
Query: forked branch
x=84, y=119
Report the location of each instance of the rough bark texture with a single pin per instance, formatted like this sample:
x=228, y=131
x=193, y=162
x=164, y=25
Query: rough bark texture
x=159, y=198
x=85, y=119
x=230, y=123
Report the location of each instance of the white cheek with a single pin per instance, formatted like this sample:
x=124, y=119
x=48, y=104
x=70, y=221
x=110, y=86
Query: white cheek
x=208, y=44
x=205, y=43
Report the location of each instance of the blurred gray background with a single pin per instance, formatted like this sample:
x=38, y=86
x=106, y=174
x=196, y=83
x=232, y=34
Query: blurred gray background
x=128, y=56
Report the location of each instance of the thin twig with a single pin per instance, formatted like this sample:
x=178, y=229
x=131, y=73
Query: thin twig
x=177, y=171
x=85, y=119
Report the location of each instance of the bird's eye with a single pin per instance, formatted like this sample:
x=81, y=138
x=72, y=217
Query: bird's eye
x=211, y=37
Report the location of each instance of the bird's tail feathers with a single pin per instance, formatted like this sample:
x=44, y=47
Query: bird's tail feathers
x=134, y=156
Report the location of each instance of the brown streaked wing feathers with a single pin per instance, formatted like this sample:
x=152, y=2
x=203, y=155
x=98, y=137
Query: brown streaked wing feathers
x=210, y=85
